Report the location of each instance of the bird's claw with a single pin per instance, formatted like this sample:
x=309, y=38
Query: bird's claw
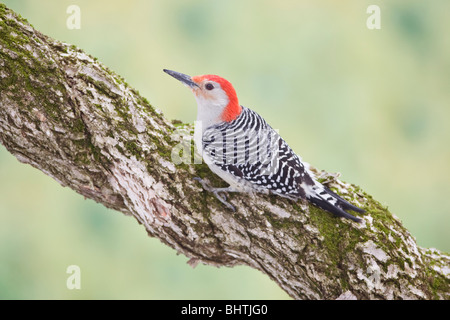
x=222, y=198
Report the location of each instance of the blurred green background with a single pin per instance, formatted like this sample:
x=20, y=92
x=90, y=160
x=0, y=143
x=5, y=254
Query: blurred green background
x=371, y=104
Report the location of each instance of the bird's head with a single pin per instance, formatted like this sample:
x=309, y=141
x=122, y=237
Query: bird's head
x=216, y=98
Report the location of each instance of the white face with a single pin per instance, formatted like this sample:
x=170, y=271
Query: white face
x=211, y=101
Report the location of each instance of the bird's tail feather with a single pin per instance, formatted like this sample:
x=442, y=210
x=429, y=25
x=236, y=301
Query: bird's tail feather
x=330, y=201
x=344, y=204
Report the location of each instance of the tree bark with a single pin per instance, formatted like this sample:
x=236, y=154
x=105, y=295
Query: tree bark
x=66, y=114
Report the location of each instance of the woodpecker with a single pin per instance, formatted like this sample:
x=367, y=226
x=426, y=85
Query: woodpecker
x=245, y=151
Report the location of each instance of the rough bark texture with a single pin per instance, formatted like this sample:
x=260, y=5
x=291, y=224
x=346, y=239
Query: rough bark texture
x=66, y=114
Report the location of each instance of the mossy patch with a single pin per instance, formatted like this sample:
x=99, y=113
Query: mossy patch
x=134, y=149
x=29, y=75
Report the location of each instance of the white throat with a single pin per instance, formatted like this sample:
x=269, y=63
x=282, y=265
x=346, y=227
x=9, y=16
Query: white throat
x=209, y=111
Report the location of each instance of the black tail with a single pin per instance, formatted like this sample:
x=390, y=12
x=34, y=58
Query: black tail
x=335, y=205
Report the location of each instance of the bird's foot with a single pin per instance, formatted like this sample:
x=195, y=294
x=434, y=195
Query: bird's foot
x=216, y=191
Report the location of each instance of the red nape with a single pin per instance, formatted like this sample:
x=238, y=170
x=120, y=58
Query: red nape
x=233, y=109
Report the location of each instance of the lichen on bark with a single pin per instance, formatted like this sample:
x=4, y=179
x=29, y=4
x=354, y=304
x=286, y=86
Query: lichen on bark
x=65, y=113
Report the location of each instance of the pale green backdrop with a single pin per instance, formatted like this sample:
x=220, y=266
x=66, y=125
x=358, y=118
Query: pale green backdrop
x=371, y=104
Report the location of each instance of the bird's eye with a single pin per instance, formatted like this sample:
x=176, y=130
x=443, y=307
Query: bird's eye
x=209, y=86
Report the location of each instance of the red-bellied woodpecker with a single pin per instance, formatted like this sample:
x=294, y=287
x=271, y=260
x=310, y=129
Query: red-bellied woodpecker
x=240, y=147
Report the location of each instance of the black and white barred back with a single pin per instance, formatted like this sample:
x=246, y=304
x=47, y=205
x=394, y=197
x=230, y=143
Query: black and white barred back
x=253, y=153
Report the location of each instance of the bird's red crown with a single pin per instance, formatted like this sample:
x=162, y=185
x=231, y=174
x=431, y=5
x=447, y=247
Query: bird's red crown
x=233, y=109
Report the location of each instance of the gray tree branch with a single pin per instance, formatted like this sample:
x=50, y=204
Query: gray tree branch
x=66, y=114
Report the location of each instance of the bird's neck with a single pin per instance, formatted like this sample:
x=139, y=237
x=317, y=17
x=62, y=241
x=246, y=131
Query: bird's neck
x=215, y=112
x=232, y=110
x=209, y=114
x=207, y=117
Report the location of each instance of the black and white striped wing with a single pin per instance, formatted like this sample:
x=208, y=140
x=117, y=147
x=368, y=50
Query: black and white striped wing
x=249, y=149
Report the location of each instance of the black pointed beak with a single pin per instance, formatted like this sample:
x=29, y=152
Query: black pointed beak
x=184, y=78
